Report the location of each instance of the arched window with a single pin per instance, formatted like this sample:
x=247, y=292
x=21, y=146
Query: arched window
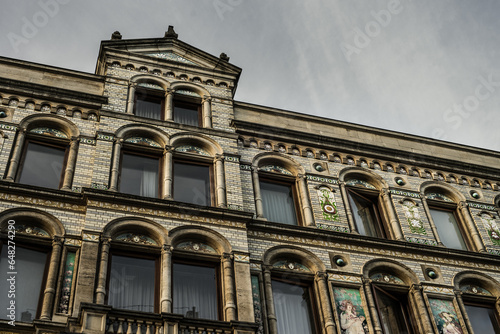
x=280, y=192
x=149, y=101
x=30, y=264
x=44, y=153
x=187, y=107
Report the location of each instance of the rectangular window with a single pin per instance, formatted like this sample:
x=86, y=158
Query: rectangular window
x=278, y=201
x=139, y=175
x=393, y=311
x=365, y=212
x=195, y=291
x=148, y=105
x=132, y=283
x=187, y=113
x=293, y=307
x=30, y=266
x=482, y=319
x=42, y=165
x=448, y=229
x=192, y=183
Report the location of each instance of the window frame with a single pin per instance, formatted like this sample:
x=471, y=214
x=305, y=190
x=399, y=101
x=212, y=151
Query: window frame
x=199, y=160
x=139, y=252
x=48, y=141
x=287, y=181
x=453, y=208
x=373, y=197
x=150, y=94
x=406, y=308
x=201, y=260
x=180, y=100
x=147, y=152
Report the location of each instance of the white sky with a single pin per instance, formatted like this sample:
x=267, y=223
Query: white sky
x=329, y=58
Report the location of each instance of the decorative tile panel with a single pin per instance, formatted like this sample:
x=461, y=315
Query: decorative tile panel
x=257, y=307
x=405, y=193
x=492, y=228
x=142, y=141
x=445, y=316
x=105, y=137
x=387, y=278
x=67, y=283
x=439, y=196
x=438, y=289
x=136, y=239
x=150, y=86
x=275, y=169
x=187, y=92
x=90, y=237
x=474, y=289
x=291, y=265
x=481, y=206
x=359, y=183
x=242, y=258
x=255, y=266
x=41, y=202
x=49, y=132
x=245, y=167
x=33, y=230
x=231, y=159
x=8, y=127
x=421, y=241
x=413, y=218
x=88, y=141
x=349, y=309
x=344, y=278
x=171, y=56
x=196, y=247
x=328, y=204
x=332, y=228
x=100, y=186
x=192, y=149
x=322, y=179
x=72, y=242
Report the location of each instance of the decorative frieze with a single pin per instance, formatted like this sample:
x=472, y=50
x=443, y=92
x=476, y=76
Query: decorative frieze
x=105, y=137
x=438, y=289
x=422, y=241
x=322, y=179
x=344, y=278
x=335, y=228
x=405, y=193
x=41, y=202
x=481, y=206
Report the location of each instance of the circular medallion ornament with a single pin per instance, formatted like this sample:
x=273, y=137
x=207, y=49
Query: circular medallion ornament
x=329, y=209
x=291, y=266
x=196, y=247
x=386, y=278
x=136, y=238
x=474, y=289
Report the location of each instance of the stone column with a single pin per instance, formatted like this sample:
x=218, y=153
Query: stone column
x=417, y=294
x=243, y=284
x=115, y=164
x=345, y=199
x=166, y=280
x=85, y=276
x=50, y=286
x=169, y=104
x=321, y=279
x=393, y=218
x=230, y=300
x=271, y=312
x=100, y=292
x=472, y=228
x=16, y=154
x=371, y=306
x=207, y=112
x=259, y=208
x=131, y=97
x=220, y=181
x=461, y=306
x=305, y=200
x=167, y=173
x=69, y=171
x=431, y=221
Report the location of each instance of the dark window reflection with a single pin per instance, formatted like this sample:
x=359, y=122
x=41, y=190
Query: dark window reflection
x=483, y=320
x=186, y=113
x=192, y=183
x=139, y=175
x=278, y=202
x=148, y=106
x=42, y=165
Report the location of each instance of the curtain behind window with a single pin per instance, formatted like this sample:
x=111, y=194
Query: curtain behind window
x=132, y=283
x=139, y=175
x=293, y=309
x=195, y=291
x=278, y=203
x=42, y=165
x=148, y=108
x=186, y=115
x=30, y=267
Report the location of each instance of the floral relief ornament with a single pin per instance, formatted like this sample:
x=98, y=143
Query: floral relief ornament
x=492, y=228
x=413, y=217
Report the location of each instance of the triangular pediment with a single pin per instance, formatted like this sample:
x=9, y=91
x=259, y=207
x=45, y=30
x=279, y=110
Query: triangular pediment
x=170, y=55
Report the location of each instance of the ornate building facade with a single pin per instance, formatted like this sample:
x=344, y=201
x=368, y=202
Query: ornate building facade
x=143, y=199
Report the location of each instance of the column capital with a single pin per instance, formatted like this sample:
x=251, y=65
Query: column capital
x=366, y=281
x=118, y=140
x=57, y=241
x=106, y=240
x=463, y=205
x=165, y=248
x=416, y=287
x=458, y=293
x=321, y=276
x=341, y=183
x=22, y=130
x=132, y=84
x=385, y=192
x=219, y=157
x=206, y=98
x=225, y=257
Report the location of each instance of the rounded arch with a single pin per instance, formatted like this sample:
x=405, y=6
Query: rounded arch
x=38, y=217
x=136, y=225
x=361, y=173
x=150, y=78
x=158, y=135
x=290, y=164
x=477, y=278
x=303, y=256
x=202, y=234
x=202, y=92
x=445, y=189
x=195, y=139
x=52, y=121
x=390, y=267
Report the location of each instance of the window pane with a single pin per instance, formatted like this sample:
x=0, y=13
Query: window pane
x=293, y=308
x=192, y=184
x=278, y=203
x=132, y=283
x=186, y=114
x=391, y=314
x=482, y=319
x=195, y=291
x=149, y=108
x=139, y=175
x=43, y=166
x=364, y=215
x=30, y=267
x=448, y=229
